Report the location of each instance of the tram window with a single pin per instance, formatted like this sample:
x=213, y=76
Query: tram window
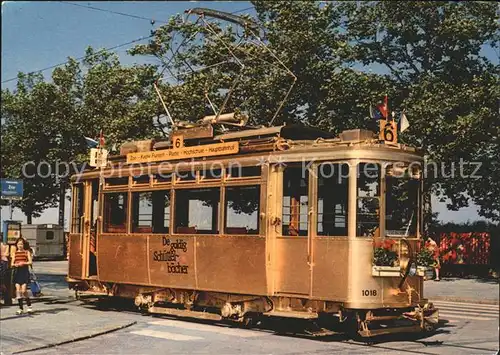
x=401, y=205
x=94, y=207
x=368, y=203
x=115, y=212
x=333, y=199
x=197, y=211
x=161, y=178
x=142, y=212
x=211, y=174
x=243, y=172
x=143, y=179
x=182, y=176
x=117, y=181
x=76, y=226
x=49, y=235
x=295, y=217
x=151, y=212
x=242, y=210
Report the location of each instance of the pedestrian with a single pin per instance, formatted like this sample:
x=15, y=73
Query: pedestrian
x=21, y=262
x=432, y=246
x=4, y=266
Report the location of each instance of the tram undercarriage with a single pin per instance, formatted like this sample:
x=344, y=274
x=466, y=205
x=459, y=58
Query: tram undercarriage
x=324, y=317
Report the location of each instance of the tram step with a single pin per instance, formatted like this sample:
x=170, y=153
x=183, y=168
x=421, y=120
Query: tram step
x=292, y=314
x=185, y=313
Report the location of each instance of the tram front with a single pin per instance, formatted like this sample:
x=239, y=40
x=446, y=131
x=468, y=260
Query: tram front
x=385, y=283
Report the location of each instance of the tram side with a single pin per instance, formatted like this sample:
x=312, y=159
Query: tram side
x=288, y=239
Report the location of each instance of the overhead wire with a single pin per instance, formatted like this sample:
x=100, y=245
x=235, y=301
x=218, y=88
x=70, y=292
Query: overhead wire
x=79, y=59
x=152, y=20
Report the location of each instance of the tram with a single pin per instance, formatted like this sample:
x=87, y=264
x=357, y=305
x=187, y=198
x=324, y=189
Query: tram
x=286, y=221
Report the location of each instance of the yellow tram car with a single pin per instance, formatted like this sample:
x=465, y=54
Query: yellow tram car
x=265, y=222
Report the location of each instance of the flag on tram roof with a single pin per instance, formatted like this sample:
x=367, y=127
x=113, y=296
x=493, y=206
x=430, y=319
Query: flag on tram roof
x=91, y=143
x=380, y=111
x=404, y=124
x=101, y=139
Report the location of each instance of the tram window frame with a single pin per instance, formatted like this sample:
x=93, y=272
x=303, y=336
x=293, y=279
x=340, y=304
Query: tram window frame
x=185, y=177
x=240, y=229
x=184, y=217
x=116, y=182
x=162, y=178
x=204, y=177
x=364, y=196
x=159, y=215
x=244, y=172
x=115, y=228
x=340, y=185
x=413, y=188
x=78, y=212
x=303, y=206
x=141, y=180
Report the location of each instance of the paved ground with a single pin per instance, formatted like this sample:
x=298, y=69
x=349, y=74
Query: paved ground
x=467, y=328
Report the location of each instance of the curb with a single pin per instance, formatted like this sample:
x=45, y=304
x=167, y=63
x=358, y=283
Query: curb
x=93, y=335
x=464, y=300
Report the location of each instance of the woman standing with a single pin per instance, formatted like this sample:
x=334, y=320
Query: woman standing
x=21, y=262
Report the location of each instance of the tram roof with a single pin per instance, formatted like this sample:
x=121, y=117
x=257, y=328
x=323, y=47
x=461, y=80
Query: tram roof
x=294, y=132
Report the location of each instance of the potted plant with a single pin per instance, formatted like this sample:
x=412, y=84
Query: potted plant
x=385, y=258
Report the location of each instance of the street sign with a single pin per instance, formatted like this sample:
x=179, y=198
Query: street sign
x=12, y=189
x=98, y=158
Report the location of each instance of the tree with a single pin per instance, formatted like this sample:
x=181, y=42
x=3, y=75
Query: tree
x=433, y=52
x=44, y=124
x=25, y=115
x=430, y=60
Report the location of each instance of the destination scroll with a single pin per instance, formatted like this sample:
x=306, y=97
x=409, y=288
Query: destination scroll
x=184, y=153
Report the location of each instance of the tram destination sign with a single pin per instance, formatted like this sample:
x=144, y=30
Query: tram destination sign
x=12, y=189
x=198, y=151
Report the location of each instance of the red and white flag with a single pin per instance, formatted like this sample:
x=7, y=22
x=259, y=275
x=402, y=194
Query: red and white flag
x=101, y=139
x=383, y=108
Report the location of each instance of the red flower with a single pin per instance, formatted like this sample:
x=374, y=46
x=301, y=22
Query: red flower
x=388, y=243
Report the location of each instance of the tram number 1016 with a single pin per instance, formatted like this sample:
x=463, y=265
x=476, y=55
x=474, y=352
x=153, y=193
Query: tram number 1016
x=368, y=293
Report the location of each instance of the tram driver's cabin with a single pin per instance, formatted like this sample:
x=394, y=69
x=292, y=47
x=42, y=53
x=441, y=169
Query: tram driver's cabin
x=283, y=221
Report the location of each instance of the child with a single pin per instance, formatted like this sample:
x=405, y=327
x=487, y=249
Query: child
x=434, y=249
x=21, y=262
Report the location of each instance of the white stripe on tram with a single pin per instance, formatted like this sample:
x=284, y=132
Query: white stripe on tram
x=165, y=335
x=241, y=333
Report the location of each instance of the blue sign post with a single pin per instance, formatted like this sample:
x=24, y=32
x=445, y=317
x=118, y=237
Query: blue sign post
x=12, y=189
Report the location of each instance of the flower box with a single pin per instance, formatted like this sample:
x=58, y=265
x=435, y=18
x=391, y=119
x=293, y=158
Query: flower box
x=386, y=271
x=426, y=272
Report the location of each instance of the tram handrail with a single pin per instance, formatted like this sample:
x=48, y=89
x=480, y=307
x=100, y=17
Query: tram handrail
x=408, y=265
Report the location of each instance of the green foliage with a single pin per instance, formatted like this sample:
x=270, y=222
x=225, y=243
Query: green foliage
x=428, y=56
x=384, y=257
x=47, y=122
x=425, y=258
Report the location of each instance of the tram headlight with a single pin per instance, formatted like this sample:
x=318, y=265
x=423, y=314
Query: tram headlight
x=413, y=269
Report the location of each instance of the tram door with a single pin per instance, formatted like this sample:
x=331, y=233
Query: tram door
x=293, y=249
x=77, y=236
x=93, y=228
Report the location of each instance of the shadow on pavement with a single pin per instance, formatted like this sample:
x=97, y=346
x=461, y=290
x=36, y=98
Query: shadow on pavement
x=36, y=312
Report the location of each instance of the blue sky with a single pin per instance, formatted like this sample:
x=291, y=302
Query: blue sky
x=37, y=35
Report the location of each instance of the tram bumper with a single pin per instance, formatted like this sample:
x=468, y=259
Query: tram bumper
x=427, y=316
x=421, y=318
